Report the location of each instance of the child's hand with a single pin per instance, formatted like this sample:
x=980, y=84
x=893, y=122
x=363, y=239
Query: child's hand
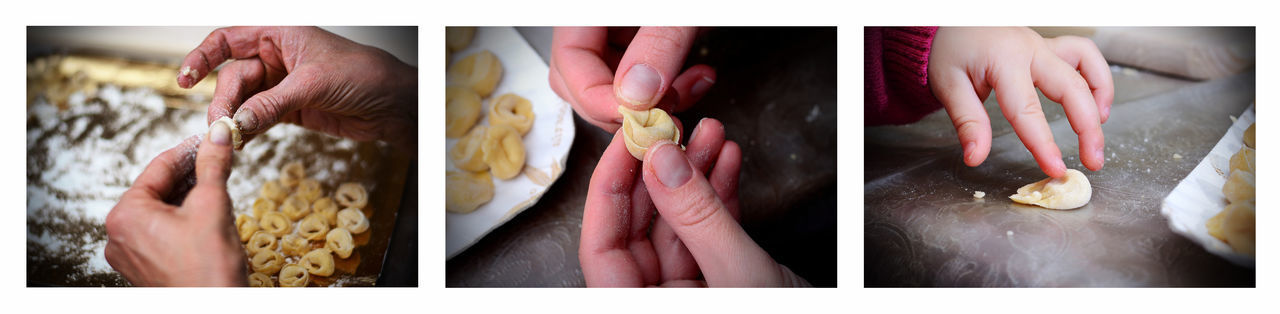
x=965, y=64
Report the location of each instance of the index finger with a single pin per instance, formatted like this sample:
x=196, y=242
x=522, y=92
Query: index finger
x=1061, y=83
x=222, y=44
x=578, y=53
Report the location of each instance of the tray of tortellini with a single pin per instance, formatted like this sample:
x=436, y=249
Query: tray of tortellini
x=507, y=133
x=1214, y=205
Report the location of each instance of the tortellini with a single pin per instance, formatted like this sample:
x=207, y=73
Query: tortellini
x=313, y=227
x=503, y=151
x=261, y=241
x=260, y=280
x=462, y=110
x=458, y=37
x=295, y=207
x=468, y=154
x=292, y=173
x=310, y=190
x=318, y=262
x=275, y=223
x=1245, y=159
x=641, y=129
x=351, y=194
x=1070, y=191
x=293, y=275
x=1240, y=187
x=480, y=72
x=1249, y=137
x=353, y=220
x=272, y=190
x=513, y=110
x=267, y=262
x=467, y=191
x=340, y=242
x=326, y=209
x=246, y=226
x=263, y=205
x=294, y=245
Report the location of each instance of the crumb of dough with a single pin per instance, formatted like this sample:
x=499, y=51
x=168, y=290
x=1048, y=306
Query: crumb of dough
x=1177, y=156
x=235, y=131
x=979, y=194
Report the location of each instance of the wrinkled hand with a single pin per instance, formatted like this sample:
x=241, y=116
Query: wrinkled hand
x=310, y=77
x=152, y=242
x=695, y=241
x=965, y=64
x=647, y=61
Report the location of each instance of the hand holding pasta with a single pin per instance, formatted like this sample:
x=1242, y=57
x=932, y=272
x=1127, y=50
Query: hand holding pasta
x=641, y=129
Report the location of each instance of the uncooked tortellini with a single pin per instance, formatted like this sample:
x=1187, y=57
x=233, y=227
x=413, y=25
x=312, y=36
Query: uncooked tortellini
x=1240, y=187
x=467, y=190
x=318, y=262
x=263, y=205
x=353, y=220
x=339, y=241
x=272, y=190
x=275, y=223
x=641, y=129
x=1245, y=159
x=310, y=190
x=313, y=227
x=292, y=173
x=513, y=110
x=293, y=275
x=468, y=154
x=480, y=72
x=260, y=280
x=295, y=207
x=461, y=111
x=351, y=194
x=267, y=262
x=503, y=151
x=294, y=245
x=458, y=37
x=326, y=209
x=1070, y=191
x=246, y=226
x=1249, y=137
x=261, y=241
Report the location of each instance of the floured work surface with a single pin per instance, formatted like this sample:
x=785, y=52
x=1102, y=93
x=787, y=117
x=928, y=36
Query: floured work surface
x=924, y=228
x=80, y=159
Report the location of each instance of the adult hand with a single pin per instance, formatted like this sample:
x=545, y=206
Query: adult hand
x=965, y=64
x=696, y=241
x=310, y=77
x=190, y=240
x=647, y=61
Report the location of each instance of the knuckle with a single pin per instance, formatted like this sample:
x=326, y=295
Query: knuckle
x=966, y=126
x=698, y=210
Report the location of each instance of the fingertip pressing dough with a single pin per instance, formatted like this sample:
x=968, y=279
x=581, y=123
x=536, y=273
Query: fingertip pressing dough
x=351, y=194
x=313, y=227
x=480, y=71
x=458, y=37
x=503, y=151
x=295, y=207
x=235, y=131
x=462, y=110
x=272, y=190
x=326, y=209
x=1239, y=187
x=261, y=241
x=353, y=220
x=294, y=245
x=1070, y=191
x=1248, y=136
x=641, y=129
x=513, y=110
x=267, y=262
x=467, y=191
x=318, y=262
x=339, y=241
x=293, y=275
x=468, y=153
x=260, y=280
x=263, y=205
x=292, y=173
x=310, y=190
x=275, y=223
x=246, y=226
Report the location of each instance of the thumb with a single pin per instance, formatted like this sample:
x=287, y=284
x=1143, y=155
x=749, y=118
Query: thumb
x=213, y=161
x=723, y=250
x=267, y=108
x=651, y=64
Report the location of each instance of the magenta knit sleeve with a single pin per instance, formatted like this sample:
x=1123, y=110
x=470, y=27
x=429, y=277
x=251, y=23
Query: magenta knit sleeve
x=897, y=74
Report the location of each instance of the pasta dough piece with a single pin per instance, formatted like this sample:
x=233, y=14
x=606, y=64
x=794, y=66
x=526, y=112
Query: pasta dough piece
x=313, y=227
x=263, y=205
x=480, y=72
x=246, y=226
x=1243, y=160
x=466, y=191
x=1238, y=226
x=1070, y=191
x=260, y=280
x=294, y=245
x=310, y=190
x=461, y=111
x=272, y=190
x=261, y=241
x=351, y=194
x=267, y=262
x=1215, y=226
x=235, y=131
x=1239, y=187
x=503, y=151
x=293, y=275
x=1248, y=136
x=295, y=207
x=641, y=129
x=326, y=209
x=513, y=110
x=292, y=173
x=318, y=262
x=353, y=220
x=457, y=37
x=339, y=241
x=468, y=154
x=275, y=223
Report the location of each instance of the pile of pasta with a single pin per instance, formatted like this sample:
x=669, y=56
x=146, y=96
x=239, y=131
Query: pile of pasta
x=1235, y=224
x=482, y=152
x=296, y=229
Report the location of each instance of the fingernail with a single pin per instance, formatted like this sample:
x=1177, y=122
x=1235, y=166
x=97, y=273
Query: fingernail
x=672, y=168
x=640, y=85
x=968, y=151
x=220, y=134
x=695, y=130
x=247, y=120
x=700, y=88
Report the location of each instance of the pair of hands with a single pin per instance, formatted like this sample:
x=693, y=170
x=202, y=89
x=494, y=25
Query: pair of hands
x=696, y=239
x=966, y=64
x=159, y=234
